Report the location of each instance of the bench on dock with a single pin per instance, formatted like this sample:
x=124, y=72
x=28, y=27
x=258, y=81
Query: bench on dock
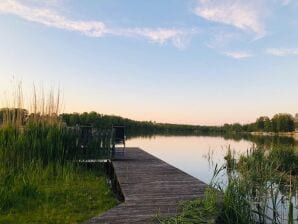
x=118, y=133
x=85, y=135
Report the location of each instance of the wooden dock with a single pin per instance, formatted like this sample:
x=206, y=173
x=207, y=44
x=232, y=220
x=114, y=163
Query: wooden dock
x=149, y=186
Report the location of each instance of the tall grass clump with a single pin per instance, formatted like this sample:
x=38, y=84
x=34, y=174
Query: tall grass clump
x=29, y=144
x=259, y=191
x=37, y=151
x=202, y=210
x=39, y=137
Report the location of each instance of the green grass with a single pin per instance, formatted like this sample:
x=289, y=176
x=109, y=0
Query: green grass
x=40, y=179
x=73, y=198
x=204, y=210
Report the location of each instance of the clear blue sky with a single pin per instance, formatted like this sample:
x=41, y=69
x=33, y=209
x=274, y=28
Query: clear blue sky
x=179, y=61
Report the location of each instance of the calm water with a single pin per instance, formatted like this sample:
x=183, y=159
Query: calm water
x=194, y=155
x=198, y=155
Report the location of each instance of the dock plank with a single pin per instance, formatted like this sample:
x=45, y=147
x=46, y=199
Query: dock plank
x=149, y=186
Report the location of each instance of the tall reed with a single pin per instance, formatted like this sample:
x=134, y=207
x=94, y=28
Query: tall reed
x=260, y=188
x=35, y=145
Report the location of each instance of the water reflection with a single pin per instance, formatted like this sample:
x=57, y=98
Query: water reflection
x=198, y=155
x=195, y=155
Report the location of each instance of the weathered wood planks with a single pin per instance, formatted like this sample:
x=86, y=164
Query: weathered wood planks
x=149, y=186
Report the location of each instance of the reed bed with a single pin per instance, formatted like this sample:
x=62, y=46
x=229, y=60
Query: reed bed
x=261, y=188
x=39, y=171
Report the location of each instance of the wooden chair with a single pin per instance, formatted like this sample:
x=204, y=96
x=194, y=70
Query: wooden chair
x=118, y=136
x=85, y=135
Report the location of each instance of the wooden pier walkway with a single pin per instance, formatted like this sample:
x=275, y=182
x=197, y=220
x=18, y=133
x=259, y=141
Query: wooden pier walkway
x=149, y=186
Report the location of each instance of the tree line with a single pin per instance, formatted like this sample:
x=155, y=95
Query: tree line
x=278, y=123
x=281, y=122
x=134, y=127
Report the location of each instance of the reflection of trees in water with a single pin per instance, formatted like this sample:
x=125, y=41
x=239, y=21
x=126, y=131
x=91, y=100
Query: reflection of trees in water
x=152, y=133
x=270, y=141
x=262, y=141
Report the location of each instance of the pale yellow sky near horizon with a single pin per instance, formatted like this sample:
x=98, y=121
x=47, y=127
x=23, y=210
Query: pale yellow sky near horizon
x=142, y=111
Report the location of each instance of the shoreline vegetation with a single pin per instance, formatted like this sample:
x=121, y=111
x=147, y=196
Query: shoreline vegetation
x=281, y=124
x=261, y=188
x=40, y=180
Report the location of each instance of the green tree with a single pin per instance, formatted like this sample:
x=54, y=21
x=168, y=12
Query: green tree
x=267, y=124
x=260, y=123
x=283, y=123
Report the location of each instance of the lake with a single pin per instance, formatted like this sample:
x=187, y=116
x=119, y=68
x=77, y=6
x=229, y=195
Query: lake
x=195, y=155
x=198, y=155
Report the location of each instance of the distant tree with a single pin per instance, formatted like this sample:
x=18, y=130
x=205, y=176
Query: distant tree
x=283, y=123
x=230, y=128
x=227, y=128
x=236, y=127
x=105, y=122
x=249, y=127
x=260, y=123
x=263, y=124
x=267, y=124
x=72, y=119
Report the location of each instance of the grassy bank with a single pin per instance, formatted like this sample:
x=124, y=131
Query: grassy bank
x=40, y=178
x=39, y=196
x=39, y=181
